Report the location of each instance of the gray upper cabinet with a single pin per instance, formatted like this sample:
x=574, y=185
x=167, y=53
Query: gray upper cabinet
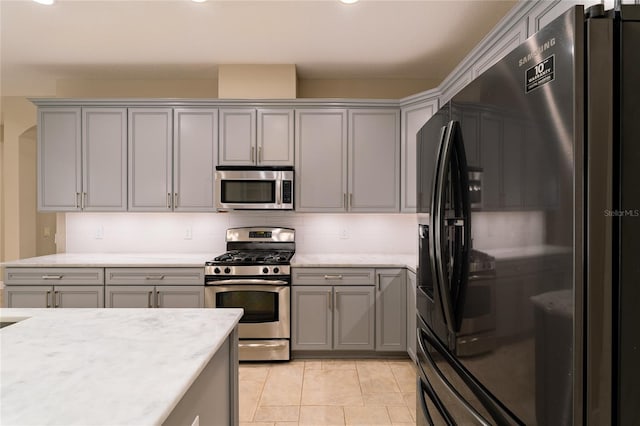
x=104, y=159
x=275, y=137
x=356, y=170
x=391, y=310
x=321, y=160
x=82, y=159
x=194, y=158
x=374, y=160
x=262, y=137
x=150, y=159
x=237, y=137
x=413, y=118
x=59, y=159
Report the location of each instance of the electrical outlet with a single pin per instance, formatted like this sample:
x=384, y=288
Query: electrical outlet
x=100, y=233
x=344, y=233
x=188, y=233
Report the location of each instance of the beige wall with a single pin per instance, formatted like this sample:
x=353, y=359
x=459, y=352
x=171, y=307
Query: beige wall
x=269, y=81
x=363, y=88
x=137, y=88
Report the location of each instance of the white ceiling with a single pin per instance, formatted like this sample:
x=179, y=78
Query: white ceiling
x=180, y=39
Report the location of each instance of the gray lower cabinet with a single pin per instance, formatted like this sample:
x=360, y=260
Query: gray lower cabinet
x=73, y=296
x=332, y=318
x=391, y=310
x=154, y=288
x=54, y=288
x=411, y=314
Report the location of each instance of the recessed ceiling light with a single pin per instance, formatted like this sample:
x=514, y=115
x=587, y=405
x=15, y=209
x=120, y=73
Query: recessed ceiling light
x=47, y=2
x=348, y=1
x=198, y=1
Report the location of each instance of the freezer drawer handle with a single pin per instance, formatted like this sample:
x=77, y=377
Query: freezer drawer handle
x=481, y=420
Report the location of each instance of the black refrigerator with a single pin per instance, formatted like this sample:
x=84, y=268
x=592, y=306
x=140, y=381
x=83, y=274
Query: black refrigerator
x=528, y=186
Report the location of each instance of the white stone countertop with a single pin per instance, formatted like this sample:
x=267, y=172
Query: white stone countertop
x=105, y=260
x=104, y=366
x=348, y=260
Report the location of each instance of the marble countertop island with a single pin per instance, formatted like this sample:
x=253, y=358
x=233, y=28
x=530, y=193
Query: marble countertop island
x=104, y=366
x=350, y=260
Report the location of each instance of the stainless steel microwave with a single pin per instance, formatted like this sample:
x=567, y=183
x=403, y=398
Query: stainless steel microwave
x=254, y=188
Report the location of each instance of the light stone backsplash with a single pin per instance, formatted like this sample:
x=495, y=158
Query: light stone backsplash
x=316, y=233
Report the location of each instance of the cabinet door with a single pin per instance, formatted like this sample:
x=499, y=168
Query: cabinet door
x=150, y=141
x=275, y=137
x=237, y=137
x=129, y=296
x=194, y=158
x=180, y=296
x=321, y=160
x=59, y=159
x=22, y=296
x=413, y=118
x=411, y=315
x=354, y=318
x=104, y=159
x=374, y=160
x=90, y=296
x=391, y=310
x=311, y=319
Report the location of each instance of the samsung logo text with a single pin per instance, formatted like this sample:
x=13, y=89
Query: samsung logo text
x=546, y=45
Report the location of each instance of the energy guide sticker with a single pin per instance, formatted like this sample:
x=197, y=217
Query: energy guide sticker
x=540, y=74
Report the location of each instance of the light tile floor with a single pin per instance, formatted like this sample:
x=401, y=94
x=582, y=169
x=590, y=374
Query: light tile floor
x=328, y=392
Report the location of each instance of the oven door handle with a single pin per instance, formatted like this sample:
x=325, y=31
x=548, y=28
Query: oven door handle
x=262, y=345
x=240, y=281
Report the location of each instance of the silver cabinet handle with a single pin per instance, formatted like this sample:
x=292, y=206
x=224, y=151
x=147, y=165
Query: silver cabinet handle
x=77, y=202
x=260, y=154
x=330, y=299
x=56, y=299
x=157, y=299
x=175, y=200
x=48, y=299
x=344, y=197
x=350, y=200
x=149, y=300
x=168, y=200
x=52, y=277
x=333, y=277
x=154, y=277
x=253, y=153
x=83, y=200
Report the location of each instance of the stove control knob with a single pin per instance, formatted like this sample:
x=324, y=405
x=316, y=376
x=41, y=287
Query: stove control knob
x=265, y=270
x=276, y=270
x=217, y=270
x=227, y=270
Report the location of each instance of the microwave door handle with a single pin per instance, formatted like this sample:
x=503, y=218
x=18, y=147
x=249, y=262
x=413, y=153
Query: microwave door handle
x=438, y=226
x=279, y=191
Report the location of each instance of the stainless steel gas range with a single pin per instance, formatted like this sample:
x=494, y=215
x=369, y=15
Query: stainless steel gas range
x=255, y=274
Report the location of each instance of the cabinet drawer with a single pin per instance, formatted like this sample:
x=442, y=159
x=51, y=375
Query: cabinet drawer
x=155, y=276
x=54, y=276
x=333, y=276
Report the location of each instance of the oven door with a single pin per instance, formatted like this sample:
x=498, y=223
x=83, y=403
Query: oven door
x=266, y=307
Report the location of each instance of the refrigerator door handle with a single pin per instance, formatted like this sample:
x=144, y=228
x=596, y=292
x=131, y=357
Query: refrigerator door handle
x=481, y=420
x=462, y=224
x=438, y=265
x=425, y=388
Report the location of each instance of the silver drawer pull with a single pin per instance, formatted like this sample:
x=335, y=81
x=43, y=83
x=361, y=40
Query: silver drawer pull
x=154, y=277
x=333, y=277
x=262, y=345
x=52, y=277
